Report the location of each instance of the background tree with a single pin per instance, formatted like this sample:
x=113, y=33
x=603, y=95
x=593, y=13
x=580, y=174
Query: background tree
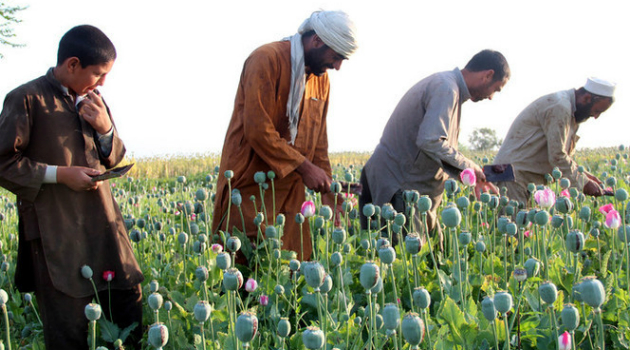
x=7, y=20
x=484, y=139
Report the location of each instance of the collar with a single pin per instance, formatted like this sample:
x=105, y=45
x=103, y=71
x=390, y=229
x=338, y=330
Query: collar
x=464, y=94
x=50, y=76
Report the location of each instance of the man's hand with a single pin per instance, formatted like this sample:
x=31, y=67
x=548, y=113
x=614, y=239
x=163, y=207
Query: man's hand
x=592, y=188
x=314, y=177
x=593, y=178
x=93, y=110
x=482, y=185
x=77, y=178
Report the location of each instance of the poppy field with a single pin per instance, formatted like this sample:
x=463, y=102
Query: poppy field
x=553, y=275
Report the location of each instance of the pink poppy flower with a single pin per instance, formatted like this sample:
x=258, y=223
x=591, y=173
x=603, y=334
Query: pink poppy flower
x=613, y=220
x=263, y=300
x=251, y=285
x=564, y=341
x=527, y=234
x=565, y=193
x=217, y=248
x=545, y=198
x=308, y=209
x=108, y=276
x=604, y=209
x=468, y=177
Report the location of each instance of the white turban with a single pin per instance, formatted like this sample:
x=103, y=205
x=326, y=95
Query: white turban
x=336, y=31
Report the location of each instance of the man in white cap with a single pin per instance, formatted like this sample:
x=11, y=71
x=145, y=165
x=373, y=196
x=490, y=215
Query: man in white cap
x=279, y=125
x=544, y=135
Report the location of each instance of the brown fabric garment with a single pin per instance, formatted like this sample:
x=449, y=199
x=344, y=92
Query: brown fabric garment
x=40, y=126
x=257, y=140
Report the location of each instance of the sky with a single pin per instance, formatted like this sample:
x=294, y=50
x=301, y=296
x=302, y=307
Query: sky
x=172, y=88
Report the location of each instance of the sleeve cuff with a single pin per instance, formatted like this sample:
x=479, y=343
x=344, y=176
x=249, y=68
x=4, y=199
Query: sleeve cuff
x=105, y=141
x=50, y=177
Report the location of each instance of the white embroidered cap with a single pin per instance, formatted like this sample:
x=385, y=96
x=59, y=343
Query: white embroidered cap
x=600, y=87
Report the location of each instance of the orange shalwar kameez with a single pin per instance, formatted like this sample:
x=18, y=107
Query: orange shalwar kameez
x=258, y=140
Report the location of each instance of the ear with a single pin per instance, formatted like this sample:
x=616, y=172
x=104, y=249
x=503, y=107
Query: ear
x=72, y=63
x=489, y=74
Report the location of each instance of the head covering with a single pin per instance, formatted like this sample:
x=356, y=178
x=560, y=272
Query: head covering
x=600, y=87
x=337, y=31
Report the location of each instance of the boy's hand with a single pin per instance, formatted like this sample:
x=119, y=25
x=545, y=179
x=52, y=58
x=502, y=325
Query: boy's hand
x=77, y=178
x=93, y=110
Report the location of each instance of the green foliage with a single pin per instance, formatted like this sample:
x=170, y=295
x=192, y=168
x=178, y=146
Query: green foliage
x=484, y=139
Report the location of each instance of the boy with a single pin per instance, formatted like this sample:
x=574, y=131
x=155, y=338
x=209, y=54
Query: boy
x=56, y=132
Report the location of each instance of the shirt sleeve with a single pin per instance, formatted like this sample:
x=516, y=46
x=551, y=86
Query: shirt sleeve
x=18, y=174
x=433, y=133
x=320, y=157
x=556, y=124
x=105, y=141
x=260, y=79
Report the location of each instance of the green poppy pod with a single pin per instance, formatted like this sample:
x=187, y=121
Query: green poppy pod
x=451, y=217
x=232, y=279
x=314, y=274
x=378, y=287
x=451, y=187
x=509, y=210
x=421, y=297
x=548, y=292
x=531, y=187
x=564, y=205
x=201, y=273
x=327, y=285
x=565, y=183
x=369, y=275
x=621, y=195
x=313, y=338
x=387, y=254
x=326, y=212
x=335, y=187
x=236, y=197
x=202, y=311
x=271, y=232
x=413, y=243
x=412, y=196
x=477, y=206
x=388, y=212
x=294, y=265
x=299, y=218
x=92, y=311
x=557, y=221
x=346, y=206
x=233, y=244
x=319, y=222
x=413, y=329
x=611, y=181
x=368, y=210
x=494, y=202
x=280, y=219
x=391, y=316
x=182, y=238
x=365, y=244
x=585, y=214
x=480, y=246
x=593, y=292
x=594, y=232
x=556, y=173
x=511, y=229
x=154, y=286
x=181, y=179
x=155, y=301
x=573, y=192
x=278, y=289
x=168, y=306
x=531, y=215
x=549, y=179
x=246, y=326
x=223, y=261
x=623, y=232
x=532, y=265
x=424, y=204
x=463, y=202
x=400, y=219
x=283, y=328
x=464, y=238
x=260, y=177
x=574, y=241
x=488, y=309
x=158, y=335
x=503, y=302
x=541, y=218
x=86, y=272
x=336, y=259
x=570, y=317
x=520, y=274
x=339, y=235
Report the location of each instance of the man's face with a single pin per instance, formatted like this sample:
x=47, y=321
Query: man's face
x=487, y=90
x=318, y=60
x=593, y=108
x=83, y=80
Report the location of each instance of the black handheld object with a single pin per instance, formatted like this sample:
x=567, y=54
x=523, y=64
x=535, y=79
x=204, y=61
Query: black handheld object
x=112, y=173
x=498, y=172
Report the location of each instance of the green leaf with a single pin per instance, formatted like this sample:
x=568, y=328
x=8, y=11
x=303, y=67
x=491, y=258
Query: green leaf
x=109, y=330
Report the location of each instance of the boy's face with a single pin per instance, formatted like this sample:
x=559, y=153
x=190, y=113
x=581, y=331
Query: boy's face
x=83, y=80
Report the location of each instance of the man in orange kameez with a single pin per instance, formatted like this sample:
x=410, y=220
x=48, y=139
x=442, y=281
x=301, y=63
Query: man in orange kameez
x=279, y=124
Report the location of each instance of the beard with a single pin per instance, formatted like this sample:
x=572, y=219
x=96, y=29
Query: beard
x=314, y=60
x=582, y=112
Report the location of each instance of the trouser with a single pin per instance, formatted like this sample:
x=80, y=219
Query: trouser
x=65, y=324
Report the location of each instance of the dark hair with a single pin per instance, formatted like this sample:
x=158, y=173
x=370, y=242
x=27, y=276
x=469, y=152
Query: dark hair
x=490, y=59
x=595, y=97
x=87, y=43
